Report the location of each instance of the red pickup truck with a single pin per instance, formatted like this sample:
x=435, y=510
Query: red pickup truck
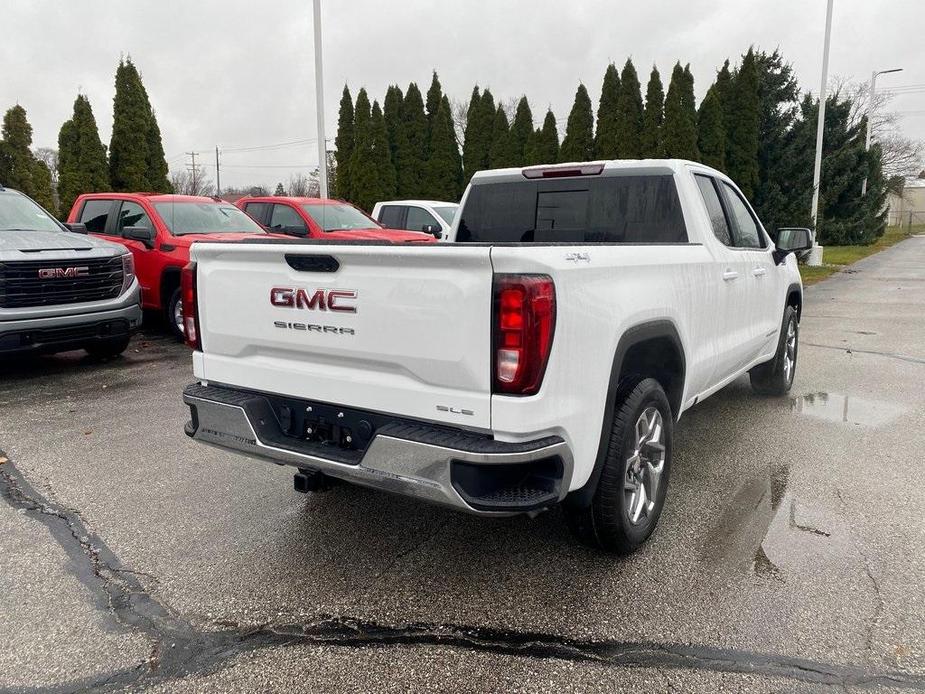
x=316, y=218
x=159, y=230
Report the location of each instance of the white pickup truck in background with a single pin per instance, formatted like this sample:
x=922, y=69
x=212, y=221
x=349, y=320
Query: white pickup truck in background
x=543, y=358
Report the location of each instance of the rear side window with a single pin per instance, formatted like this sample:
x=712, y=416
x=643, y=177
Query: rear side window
x=607, y=209
x=714, y=209
x=390, y=216
x=94, y=214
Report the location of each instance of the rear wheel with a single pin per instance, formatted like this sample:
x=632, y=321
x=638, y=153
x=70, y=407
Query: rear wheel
x=776, y=376
x=631, y=491
x=174, y=315
x=110, y=347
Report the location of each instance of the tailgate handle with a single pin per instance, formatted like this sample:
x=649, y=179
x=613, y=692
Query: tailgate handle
x=312, y=263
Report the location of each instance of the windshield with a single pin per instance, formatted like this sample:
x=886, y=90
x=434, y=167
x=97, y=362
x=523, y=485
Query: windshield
x=205, y=218
x=448, y=212
x=339, y=217
x=19, y=213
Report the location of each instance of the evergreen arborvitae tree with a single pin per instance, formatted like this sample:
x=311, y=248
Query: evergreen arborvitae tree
x=17, y=140
x=711, y=133
x=82, y=166
x=578, y=143
x=503, y=149
x=280, y=191
x=432, y=105
x=411, y=150
x=472, y=136
x=651, y=138
x=544, y=145
x=374, y=175
x=521, y=130
x=629, y=114
x=679, y=131
x=156, y=162
x=443, y=173
x=344, y=143
x=778, y=108
x=606, y=138
x=391, y=113
x=743, y=132
x=723, y=87
x=131, y=123
x=361, y=116
x=20, y=169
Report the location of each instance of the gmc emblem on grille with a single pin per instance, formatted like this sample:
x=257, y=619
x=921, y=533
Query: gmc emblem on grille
x=51, y=273
x=319, y=300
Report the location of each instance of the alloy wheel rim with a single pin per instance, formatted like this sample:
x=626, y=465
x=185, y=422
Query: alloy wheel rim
x=644, y=466
x=790, y=351
x=178, y=317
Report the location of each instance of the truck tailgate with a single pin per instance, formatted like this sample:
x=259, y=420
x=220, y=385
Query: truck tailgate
x=277, y=318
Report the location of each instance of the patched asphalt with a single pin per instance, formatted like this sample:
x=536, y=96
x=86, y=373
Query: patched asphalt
x=790, y=556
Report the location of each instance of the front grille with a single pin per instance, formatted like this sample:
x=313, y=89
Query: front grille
x=21, y=285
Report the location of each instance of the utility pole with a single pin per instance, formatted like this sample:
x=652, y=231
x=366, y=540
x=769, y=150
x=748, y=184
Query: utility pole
x=218, y=177
x=871, y=107
x=815, y=255
x=193, y=168
x=319, y=103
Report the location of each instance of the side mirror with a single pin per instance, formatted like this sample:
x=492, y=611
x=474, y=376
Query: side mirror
x=433, y=229
x=792, y=240
x=143, y=234
x=76, y=227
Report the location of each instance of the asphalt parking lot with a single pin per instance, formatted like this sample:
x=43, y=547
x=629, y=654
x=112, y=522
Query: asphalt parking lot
x=790, y=555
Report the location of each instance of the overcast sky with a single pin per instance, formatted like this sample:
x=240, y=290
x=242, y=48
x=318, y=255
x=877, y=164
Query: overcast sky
x=241, y=74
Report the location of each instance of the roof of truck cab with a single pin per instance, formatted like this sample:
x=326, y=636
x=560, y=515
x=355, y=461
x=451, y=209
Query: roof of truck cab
x=430, y=203
x=154, y=197
x=648, y=165
x=288, y=198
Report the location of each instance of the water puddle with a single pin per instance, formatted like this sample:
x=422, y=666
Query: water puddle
x=834, y=407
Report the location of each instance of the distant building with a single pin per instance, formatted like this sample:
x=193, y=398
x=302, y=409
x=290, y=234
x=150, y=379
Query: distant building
x=908, y=206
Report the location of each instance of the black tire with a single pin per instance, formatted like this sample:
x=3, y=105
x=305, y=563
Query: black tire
x=170, y=313
x=775, y=377
x=110, y=347
x=606, y=523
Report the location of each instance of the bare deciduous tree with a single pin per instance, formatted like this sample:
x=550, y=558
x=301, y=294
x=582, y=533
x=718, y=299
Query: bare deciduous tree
x=184, y=183
x=902, y=156
x=50, y=157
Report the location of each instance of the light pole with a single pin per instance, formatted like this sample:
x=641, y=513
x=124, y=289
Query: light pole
x=319, y=104
x=815, y=255
x=871, y=107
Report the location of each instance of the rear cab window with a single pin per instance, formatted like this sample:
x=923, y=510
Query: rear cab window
x=94, y=214
x=636, y=208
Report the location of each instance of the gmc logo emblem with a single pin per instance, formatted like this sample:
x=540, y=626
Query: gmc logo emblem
x=50, y=273
x=321, y=300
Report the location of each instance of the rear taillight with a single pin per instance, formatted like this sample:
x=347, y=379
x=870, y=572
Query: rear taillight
x=190, y=310
x=524, y=321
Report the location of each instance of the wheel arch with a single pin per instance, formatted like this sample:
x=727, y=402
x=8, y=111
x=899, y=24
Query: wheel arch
x=638, y=350
x=170, y=282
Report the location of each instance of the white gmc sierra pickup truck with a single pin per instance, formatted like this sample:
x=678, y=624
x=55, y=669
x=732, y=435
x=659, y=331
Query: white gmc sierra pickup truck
x=543, y=357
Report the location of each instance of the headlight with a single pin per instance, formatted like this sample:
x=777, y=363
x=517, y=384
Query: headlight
x=128, y=272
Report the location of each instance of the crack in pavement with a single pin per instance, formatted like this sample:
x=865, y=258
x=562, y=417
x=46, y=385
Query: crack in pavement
x=180, y=649
x=854, y=350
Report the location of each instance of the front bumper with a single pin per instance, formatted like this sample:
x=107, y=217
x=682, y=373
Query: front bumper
x=63, y=333
x=452, y=467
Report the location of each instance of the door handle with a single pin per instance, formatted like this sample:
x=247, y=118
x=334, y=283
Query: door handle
x=759, y=272
x=730, y=275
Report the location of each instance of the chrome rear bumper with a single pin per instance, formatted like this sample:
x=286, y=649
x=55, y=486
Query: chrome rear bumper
x=413, y=459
